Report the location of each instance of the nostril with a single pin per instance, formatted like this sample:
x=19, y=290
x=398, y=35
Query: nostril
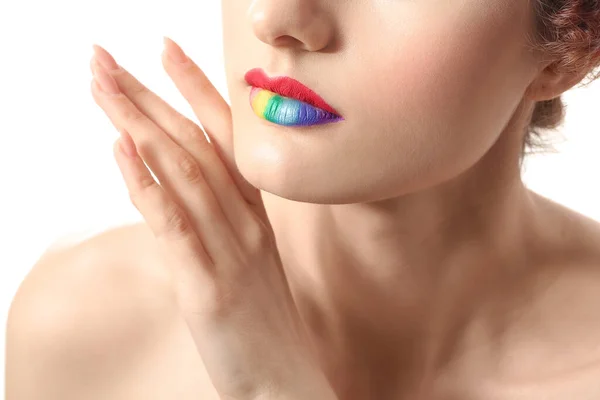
x=286, y=41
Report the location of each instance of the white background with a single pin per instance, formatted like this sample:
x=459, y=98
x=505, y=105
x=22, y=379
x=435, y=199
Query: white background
x=58, y=177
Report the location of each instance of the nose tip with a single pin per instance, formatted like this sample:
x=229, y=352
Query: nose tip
x=300, y=24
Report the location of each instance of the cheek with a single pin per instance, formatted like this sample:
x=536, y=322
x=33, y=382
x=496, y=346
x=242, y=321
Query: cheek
x=448, y=88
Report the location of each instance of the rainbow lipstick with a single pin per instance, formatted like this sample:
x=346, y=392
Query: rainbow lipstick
x=287, y=111
x=285, y=101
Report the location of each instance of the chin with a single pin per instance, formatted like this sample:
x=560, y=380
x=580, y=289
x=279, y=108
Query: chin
x=320, y=166
x=297, y=166
x=297, y=181
x=281, y=178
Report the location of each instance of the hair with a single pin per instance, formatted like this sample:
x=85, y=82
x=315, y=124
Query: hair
x=567, y=32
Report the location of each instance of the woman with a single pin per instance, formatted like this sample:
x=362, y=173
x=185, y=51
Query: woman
x=390, y=250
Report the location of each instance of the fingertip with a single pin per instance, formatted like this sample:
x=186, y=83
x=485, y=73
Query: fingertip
x=127, y=144
x=118, y=154
x=117, y=147
x=174, y=52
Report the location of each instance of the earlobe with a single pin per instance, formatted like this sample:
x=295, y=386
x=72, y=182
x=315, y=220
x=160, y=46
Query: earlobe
x=540, y=91
x=550, y=84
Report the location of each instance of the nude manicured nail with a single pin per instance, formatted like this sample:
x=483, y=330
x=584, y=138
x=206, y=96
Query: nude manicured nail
x=105, y=58
x=173, y=51
x=106, y=82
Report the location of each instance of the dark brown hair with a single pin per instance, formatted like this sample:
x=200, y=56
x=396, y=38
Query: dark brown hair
x=567, y=32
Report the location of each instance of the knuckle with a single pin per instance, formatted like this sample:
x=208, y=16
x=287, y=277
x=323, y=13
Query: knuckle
x=132, y=114
x=147, y=182
x=176, y=224
x=257, y=236
x=188, y=167
x=187, y=130
x=144, y=184
x=204, y=150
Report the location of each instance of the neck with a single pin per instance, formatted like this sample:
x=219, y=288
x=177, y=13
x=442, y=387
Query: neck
x=402, y=261
x=484, y=213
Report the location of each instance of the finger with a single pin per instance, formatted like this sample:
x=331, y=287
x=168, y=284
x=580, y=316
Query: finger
x=212, y=111
x=192, y=269
x=166, y=219
x=189, y=136
x=175, y=169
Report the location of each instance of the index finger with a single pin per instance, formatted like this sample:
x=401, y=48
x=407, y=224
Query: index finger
x=212, y=111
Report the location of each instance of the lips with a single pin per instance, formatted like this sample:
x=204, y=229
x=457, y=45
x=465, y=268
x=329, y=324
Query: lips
x=287, y=87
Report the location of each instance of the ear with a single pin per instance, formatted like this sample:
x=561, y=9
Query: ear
x=549, y=83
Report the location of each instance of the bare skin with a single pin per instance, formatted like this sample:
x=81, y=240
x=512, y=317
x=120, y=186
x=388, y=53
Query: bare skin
x=430, y=273
x=103, y=313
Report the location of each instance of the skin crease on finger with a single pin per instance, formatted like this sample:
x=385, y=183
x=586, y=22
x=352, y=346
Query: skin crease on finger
x=402, y=226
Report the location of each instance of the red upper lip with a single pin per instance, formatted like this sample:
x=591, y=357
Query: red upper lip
x=287, y=87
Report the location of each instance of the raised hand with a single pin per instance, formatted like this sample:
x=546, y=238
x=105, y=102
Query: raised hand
x=212, y=229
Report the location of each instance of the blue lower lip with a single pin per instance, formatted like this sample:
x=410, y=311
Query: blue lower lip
x=287, y=111
x=298, y=113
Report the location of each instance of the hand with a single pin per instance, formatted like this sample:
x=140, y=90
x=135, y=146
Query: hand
x=211, y=228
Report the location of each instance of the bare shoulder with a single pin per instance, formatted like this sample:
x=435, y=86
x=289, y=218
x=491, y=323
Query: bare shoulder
x=108, y=268
x=570, y=240
x=551, y=345
x=566, y=279
x=98, y=320
x=130, y=244
x=71, y=268
x=535, y=331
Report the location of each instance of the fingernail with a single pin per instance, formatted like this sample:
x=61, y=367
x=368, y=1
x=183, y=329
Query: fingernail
x=127, y=144
x=105, y=58
x=106, y=82
x=173, y=51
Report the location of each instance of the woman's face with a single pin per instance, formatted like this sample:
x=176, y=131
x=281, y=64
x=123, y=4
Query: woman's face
x=425, y=86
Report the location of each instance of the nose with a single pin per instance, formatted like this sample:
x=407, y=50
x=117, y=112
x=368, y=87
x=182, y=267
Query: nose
x=301, y=24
